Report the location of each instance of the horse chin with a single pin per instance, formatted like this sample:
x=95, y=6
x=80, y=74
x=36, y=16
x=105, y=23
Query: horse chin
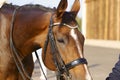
x=79, y=73
x=52, y=68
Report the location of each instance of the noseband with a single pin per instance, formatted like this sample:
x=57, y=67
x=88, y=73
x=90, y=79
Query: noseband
x=62, y=68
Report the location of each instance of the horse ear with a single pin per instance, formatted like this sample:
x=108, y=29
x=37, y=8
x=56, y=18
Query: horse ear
x=61, y=8
x=76, y=7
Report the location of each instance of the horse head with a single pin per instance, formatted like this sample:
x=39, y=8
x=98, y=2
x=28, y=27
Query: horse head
x=56, y=31
x=64, y=52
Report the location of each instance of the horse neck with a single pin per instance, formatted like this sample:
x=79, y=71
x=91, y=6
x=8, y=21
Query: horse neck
x=5, y=22
x=30, y=31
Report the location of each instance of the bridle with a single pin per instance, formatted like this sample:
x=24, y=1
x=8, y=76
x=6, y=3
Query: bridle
x=62, y=68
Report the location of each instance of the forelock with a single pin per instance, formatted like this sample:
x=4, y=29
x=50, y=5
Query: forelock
x=68, y=17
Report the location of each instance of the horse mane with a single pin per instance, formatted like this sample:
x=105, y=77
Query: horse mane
x=28, y=7
x=37, y=7
x=66, y=18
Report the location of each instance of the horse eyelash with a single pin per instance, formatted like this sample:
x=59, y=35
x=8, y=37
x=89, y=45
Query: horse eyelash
x=61, y=40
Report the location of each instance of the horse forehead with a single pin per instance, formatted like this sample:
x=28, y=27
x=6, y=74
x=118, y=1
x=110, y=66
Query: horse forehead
x=73, y=34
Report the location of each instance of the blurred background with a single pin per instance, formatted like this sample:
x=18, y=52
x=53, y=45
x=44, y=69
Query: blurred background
x=102, y=19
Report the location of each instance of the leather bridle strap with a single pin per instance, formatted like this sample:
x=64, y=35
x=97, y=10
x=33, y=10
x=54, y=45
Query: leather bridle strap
x=37, y=56
x=76, y=63
x=56, y=55
x=14, y=51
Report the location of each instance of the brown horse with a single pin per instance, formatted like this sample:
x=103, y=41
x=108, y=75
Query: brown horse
x=33, y=27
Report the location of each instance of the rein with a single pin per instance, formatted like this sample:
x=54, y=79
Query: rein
x=14, y=51
x=15, y=55
x=62, y=68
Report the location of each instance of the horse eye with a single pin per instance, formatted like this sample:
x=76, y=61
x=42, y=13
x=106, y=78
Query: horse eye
x=60, y=41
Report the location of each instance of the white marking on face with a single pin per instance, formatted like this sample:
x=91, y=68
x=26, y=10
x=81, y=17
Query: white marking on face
x=74, y=36
x=88, y=76
x=72, y=33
